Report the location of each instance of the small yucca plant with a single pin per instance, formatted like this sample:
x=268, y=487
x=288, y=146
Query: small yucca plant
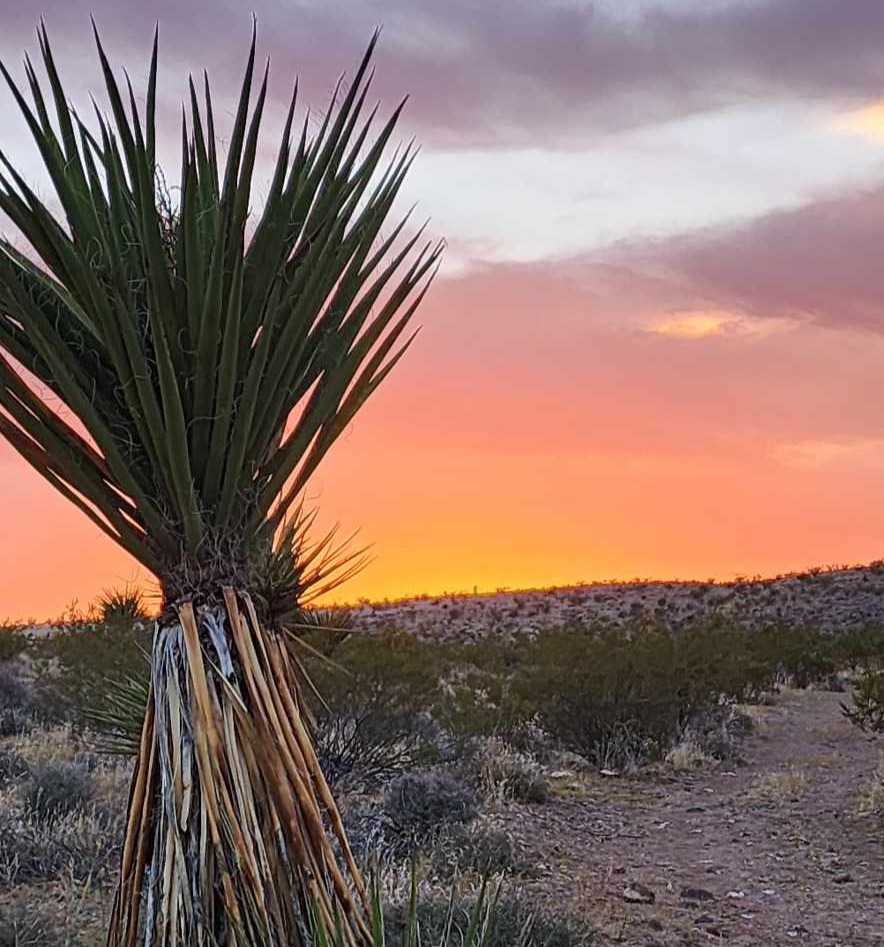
x=206, y=361
x=119, y=606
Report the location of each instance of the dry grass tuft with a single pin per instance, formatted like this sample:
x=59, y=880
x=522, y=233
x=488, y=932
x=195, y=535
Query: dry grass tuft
x=758, y=714
x=777, y=786
x=42, y=747
x=687, y=755
x=870, y=798
x=503, y=774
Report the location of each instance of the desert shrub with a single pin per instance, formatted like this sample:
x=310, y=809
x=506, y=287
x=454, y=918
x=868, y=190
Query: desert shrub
x=602, y=692
x=804, y=656
x=452, y=848
x=858, y=647
x=617, y=697
x=13, y=766
x=477, y=696
x=511, y=920
x=617, y=701
x=480, y=849
x=864, y=651
x=717, y=731
x=12, y=643
x=55, y=790
x=24, y=925
x=15, y=694
x=502, y=773
x=16, y=702
x=373, y=696
x=800, y=656
x=83, y=845
x=867, y=711
x=421, y=803
x=714, y=735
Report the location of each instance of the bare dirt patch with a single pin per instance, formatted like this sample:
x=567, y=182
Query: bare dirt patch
x=776, y=850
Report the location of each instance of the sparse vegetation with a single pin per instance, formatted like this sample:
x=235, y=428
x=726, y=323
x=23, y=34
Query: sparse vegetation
x=441, y=741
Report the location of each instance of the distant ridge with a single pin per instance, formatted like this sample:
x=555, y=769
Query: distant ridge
x=833, y=598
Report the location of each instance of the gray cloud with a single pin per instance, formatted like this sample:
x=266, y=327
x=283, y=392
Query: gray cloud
x=519, y=72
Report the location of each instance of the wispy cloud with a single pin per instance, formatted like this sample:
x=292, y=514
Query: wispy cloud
x=820, y=454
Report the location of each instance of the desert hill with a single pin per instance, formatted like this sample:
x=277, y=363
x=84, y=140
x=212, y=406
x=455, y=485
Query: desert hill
x=833, y=599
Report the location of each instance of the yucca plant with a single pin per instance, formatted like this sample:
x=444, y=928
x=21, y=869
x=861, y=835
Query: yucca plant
x=206, y=361
x=121, y=606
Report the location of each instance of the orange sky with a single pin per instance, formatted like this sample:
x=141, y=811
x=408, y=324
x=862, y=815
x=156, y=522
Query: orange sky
x=503, y=457
x=656, y=348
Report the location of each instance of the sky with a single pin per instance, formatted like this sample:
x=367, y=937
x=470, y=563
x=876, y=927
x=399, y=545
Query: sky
x=656, y=345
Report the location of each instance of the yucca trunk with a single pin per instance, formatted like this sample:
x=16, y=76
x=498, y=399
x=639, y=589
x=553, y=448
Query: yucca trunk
x=233, y=835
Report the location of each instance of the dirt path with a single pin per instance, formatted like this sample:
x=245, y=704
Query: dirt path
x=773, y=851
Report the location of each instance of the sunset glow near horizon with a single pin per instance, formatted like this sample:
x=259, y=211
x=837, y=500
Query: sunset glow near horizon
x=656, y=346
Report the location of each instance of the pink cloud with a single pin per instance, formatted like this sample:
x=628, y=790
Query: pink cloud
x=818, y=262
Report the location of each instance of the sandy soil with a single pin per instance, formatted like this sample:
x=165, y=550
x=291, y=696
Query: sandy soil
x=775, y=850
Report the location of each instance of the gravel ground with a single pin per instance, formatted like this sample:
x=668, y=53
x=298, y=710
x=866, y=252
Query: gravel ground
x=776, y=850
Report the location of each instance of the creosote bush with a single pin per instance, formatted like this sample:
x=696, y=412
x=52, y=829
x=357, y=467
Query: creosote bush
x=12, y=642
x=14, y=692
x=74, y=666
x=621, y=698
x=372, y=701
x=867, y=710
x=388, y=703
